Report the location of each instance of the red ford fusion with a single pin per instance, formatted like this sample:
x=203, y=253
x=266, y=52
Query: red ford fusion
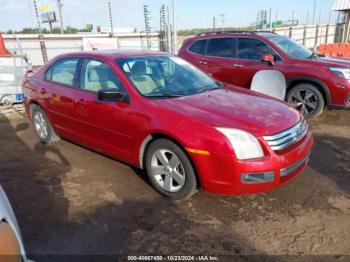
x=159, y=113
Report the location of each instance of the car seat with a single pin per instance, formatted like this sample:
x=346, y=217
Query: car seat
x=143, y=82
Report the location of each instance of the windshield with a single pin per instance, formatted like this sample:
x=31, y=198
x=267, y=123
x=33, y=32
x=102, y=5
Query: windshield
x=163, y=76
x=290, y=47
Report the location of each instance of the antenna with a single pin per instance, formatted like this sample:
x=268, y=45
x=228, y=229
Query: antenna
x=110, y=17
x=37, y=15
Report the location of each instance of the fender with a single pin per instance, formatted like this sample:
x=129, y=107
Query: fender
x=314, y=80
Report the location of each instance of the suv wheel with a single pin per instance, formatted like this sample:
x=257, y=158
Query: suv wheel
x=307, y=99
x=42, y=126
x=170, y=170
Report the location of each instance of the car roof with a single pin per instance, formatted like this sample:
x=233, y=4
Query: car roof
x=234, y=33
x=116, y=53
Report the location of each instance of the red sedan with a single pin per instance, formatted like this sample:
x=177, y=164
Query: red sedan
x=157, y=112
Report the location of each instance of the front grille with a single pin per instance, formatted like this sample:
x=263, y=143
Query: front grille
x=287, y=138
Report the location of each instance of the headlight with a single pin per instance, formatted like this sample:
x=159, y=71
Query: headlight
x=245, y=145
x=342, y=72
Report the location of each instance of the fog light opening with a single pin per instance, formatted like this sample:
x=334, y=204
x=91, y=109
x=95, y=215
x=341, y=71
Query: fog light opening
x=258, y=178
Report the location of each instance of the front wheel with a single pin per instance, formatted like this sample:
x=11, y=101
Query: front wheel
x=170, y=170
x=307, y=99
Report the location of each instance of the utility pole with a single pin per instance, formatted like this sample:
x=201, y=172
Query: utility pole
x=270, y=19
x=319, y=17
x=314, y=12
x=214, y=23
x=222, y=21
x=174, y=28
x=110, y=17
x=59, y=6
x=307, y=17
x=293, y=18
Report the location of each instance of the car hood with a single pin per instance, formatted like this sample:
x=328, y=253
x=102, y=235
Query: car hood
x=334, y=61
x=233, y=107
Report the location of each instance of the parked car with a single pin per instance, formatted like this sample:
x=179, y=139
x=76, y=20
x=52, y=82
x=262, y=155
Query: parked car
x=11, y=244
x=313, y=81
x=158, y=112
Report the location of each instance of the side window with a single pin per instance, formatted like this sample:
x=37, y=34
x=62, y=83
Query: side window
x=198, y=47
x=221, y=47
x=96, y=75
x=63, y=72
x=252, y=49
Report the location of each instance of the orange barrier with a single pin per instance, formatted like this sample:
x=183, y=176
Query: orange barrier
x=336, y=50
x=3, y=51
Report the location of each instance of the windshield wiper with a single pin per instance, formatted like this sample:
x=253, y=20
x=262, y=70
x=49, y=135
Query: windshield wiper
x=165, y=95
x=313, y=55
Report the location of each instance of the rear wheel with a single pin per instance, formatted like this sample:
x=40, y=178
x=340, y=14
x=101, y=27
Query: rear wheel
x=42, y=126
x=307, y=99
x=170, y=170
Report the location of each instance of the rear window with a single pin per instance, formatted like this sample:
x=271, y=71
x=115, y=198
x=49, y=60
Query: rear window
x=221, y=47
x=198, y=47
x=63, y=72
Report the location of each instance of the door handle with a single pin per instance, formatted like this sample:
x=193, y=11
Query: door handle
x=238, y=65
x=81, y=101
x=203, y=62
x=43, y=91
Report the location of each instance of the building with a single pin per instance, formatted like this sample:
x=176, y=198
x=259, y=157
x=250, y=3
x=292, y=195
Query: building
x=343, y=27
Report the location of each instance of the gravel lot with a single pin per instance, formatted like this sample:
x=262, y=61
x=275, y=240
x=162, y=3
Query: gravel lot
x=72, y=201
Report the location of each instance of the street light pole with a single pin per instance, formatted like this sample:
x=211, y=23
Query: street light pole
x=59, y=6
x=222, y=21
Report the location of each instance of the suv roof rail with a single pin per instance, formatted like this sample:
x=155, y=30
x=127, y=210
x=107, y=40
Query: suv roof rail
x=234, y=32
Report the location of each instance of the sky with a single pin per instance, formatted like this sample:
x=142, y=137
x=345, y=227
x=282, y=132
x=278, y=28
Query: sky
x=16, y=14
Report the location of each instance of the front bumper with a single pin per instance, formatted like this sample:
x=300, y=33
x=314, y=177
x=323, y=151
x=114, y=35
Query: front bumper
x=223, y=174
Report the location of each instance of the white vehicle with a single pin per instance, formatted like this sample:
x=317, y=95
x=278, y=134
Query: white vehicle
x=11, y=244
x=12, y=70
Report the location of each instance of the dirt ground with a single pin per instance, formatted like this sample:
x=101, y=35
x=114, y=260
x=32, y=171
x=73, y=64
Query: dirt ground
x=72, y=201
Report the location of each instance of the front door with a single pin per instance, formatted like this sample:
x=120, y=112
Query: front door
x=106, y=126
x=248, y=61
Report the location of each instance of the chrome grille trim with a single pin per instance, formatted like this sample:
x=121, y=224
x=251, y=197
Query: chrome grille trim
x=287, y=138
x=288, y=170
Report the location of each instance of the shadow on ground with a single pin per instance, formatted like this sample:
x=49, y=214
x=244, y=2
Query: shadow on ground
x=33, y=183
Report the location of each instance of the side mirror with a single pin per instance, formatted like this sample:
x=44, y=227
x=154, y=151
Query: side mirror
x=268, y=58
x=112, y=95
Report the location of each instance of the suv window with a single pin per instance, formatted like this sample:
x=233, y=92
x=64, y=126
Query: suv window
x=221, y=47
x=198, y=47
x=63, y=71
x=252, y=49
x=96, y=75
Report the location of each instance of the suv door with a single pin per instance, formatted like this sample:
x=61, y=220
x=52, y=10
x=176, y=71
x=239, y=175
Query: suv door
x=219, y=58
x=248, y=61
x=105, y=125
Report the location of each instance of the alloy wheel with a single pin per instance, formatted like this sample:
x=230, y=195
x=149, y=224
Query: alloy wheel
x=167, y=170
x=305, y=101
x=40, y=124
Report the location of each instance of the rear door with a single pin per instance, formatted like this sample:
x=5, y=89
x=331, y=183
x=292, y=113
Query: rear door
x=195, y=54
x=107, y=126
x=60, y=85
x=219, y=58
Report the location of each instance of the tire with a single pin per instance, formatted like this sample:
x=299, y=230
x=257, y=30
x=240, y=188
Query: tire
x=170, y=170
x=42, y=126
x=308, y=99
